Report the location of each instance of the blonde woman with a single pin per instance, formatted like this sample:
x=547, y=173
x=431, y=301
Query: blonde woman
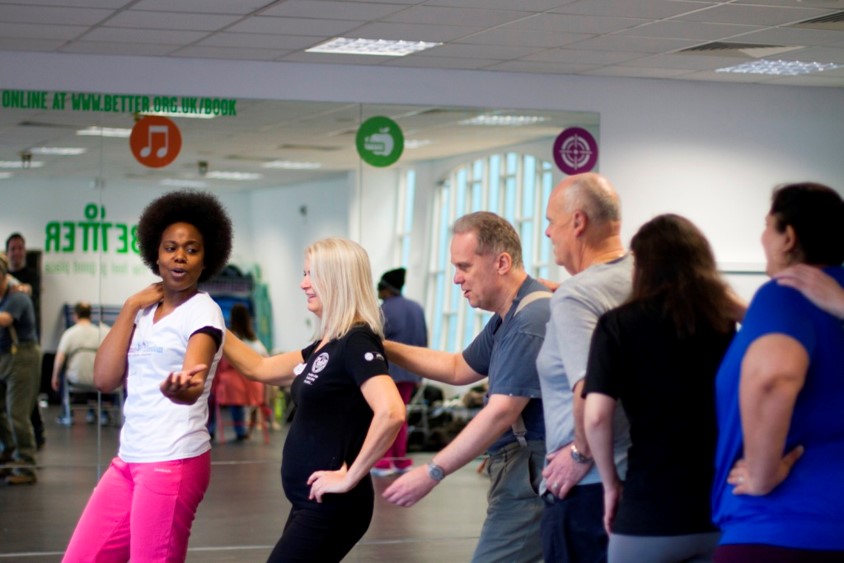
x=348, y=408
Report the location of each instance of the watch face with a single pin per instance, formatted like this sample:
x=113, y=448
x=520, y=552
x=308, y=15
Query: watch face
x=436, y=472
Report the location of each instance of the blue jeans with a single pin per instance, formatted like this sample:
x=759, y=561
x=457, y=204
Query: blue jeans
x=573, y=527
x=511, y=529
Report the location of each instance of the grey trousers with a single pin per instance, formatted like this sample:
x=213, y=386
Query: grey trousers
x=511, y=530
x=19, y=379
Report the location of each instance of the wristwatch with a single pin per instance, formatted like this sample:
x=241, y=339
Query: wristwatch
x=579, y=457
x=435, y=472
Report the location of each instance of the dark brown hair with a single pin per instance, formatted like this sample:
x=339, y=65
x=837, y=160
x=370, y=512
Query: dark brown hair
x=675, y=264
x=816, y=213
x=241, y=322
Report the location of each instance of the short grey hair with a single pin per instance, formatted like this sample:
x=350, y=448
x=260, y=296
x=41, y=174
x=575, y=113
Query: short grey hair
x=494, y=233
x=595, y=196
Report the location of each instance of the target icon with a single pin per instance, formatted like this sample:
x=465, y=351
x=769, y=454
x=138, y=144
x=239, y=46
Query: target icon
x=575, y=151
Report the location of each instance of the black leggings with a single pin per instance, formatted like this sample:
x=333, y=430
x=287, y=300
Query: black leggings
x=325, y=532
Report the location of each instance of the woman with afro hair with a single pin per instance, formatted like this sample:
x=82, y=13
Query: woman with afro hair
x=164, y=346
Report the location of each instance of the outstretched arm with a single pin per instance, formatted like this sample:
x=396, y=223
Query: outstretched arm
x=275, y=370
x=445, y=367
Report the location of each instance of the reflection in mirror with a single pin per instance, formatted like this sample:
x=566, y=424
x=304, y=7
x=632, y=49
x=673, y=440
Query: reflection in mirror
x=289, y=173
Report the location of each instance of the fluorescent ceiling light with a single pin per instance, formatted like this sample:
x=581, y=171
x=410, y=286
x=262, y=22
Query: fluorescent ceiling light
x=504, y=120
x=778, y=68
x=106, y=132
x=382, y=47
x=19, y=165
x=180, y=114
x=61, y=151
x=176, y=183
x=411, y=144
x=237, y=176
x=5, y=175
x=292, y=165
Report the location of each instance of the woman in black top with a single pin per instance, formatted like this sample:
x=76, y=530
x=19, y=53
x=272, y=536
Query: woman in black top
x=658, y=354
x=348, y=408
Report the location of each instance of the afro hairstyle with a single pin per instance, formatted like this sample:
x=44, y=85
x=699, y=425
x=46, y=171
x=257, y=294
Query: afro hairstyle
x=200, y=209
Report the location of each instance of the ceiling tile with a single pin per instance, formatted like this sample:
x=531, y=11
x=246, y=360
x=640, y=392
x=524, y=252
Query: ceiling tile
x=456, y=16
x=533, y=66
x=143, y=36
x=415, y=32
x=566, y=23
x=689, y=30
x=295, y=26
x=583, y=56
x=202, y=6
x=49, y=14
x=258, y=41
x=649, y=9
x=30, y=44
x=115, y=48
x=171, y=20
x=422, y=61
x=523, y=38
x=359, y=11
x=752, y=15
x=500, y=52
x=210, y=52
x=632, y=43
x=24, y=30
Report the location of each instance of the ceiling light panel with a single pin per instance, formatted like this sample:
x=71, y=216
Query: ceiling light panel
x=378, y=47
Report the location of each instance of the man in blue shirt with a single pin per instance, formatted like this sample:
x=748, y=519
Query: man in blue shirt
x=486, y=253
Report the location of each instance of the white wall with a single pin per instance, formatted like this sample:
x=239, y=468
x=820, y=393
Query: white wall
x=706, y=150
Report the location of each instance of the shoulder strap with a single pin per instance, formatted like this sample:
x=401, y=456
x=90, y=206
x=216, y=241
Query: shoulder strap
x=519, y=428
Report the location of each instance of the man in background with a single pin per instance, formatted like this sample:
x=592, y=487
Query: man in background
x=20, y=368
x=404, y=321
x=30, y=283
x=75, y=358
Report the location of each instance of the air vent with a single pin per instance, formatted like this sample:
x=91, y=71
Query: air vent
x=740, y=50
x=830, y=22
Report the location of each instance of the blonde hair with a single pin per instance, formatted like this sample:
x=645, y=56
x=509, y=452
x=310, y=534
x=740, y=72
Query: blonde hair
x=342, y=279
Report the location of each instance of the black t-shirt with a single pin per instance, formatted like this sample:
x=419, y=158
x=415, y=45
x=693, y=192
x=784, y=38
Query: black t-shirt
x=332, y=416
x=666, y=385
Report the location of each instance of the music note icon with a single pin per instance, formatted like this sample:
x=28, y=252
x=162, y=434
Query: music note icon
x=157, y=130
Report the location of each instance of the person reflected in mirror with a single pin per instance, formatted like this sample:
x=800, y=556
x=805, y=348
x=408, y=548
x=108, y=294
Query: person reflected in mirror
x=404, y=321
x=348, y=410
x=28, y=279
x=74, y=361
x=657, y=355
x=778, y=493
x=20, y=377
x=164, y=347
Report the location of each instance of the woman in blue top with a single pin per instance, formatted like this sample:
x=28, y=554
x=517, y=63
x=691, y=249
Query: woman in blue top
x=778, y=492
x=348, y=410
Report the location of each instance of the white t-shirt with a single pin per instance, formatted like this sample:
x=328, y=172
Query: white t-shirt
x=156, y=429
x=79, y=344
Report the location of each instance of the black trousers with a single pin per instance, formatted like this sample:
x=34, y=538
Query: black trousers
x=325, y=532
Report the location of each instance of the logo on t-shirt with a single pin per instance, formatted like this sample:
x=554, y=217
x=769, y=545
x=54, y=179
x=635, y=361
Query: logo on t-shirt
x=369, y=356
x=299, y=368
x=320, y=362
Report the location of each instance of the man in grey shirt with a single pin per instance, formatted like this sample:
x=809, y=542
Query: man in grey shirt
x=584, y=216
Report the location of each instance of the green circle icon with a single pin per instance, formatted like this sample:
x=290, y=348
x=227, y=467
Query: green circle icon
x=380, y=141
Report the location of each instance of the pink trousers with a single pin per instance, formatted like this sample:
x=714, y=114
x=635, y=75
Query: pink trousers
x=141, y=511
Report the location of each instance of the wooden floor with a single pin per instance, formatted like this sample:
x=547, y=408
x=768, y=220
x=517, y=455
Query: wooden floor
x=244, y=510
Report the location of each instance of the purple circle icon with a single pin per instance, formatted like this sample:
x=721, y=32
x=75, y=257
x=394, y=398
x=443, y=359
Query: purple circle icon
x=575, y=151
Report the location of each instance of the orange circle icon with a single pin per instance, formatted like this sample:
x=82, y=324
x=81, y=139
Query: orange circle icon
x=155, y=141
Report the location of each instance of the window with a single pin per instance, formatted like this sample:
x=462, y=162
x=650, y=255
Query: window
x=515, y=186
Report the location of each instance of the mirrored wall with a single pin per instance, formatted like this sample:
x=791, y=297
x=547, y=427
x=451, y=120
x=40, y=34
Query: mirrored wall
x=289, y=172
